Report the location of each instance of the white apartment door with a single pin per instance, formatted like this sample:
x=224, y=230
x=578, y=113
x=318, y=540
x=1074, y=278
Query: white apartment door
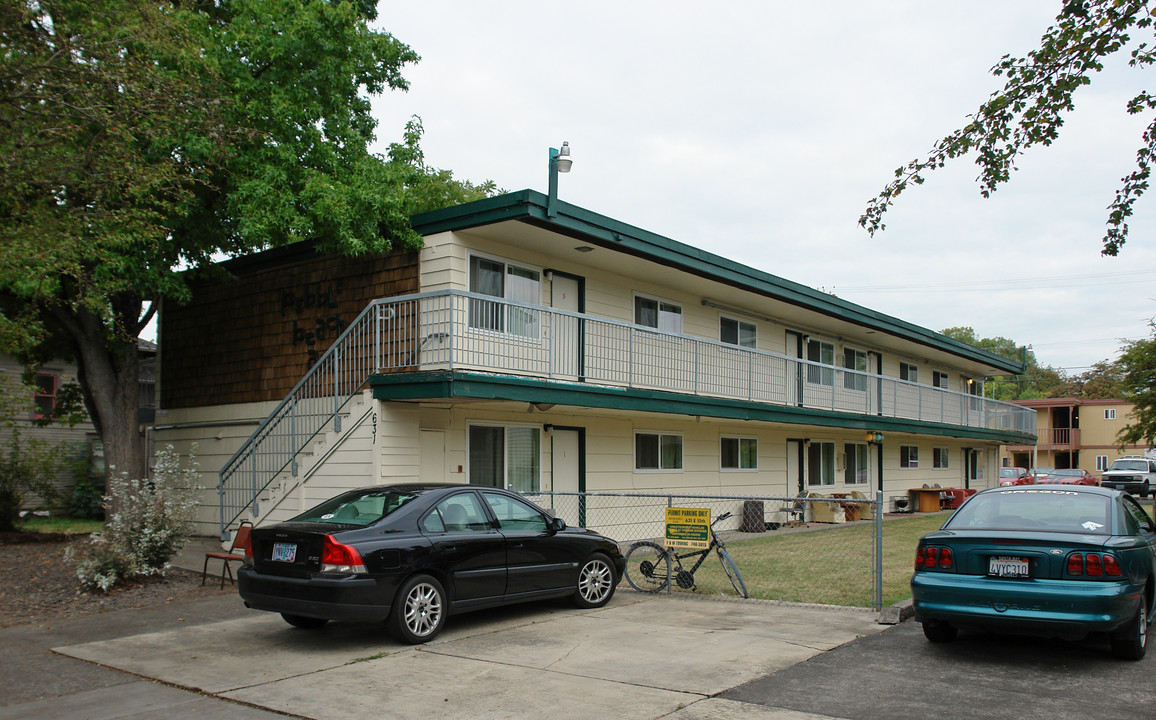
x=566, y=469
x=432, y=456
x=567, y=331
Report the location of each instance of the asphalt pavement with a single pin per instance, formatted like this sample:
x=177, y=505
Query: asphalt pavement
x=639, y=657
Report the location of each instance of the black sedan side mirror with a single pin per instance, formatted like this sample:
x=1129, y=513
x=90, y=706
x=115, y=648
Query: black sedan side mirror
x=557, y=524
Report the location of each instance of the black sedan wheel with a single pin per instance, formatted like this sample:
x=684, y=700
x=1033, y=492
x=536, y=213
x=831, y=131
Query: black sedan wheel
x=595, y=583
x=1131, y=641
x=419, y=611
x=939, y=632
x=303, y=622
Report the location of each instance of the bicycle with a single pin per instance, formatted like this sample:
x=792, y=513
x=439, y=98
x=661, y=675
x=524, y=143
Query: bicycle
x=649, y=565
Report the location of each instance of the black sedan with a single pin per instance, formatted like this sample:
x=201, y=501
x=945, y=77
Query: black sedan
x=410, y=555
x=1041, y=560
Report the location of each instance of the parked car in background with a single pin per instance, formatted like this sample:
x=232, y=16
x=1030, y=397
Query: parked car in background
x=1039, y=560
x=1040, y=472
x=1134, y=474
x=411, y=555
x=1065, y=476
x=1014, y=476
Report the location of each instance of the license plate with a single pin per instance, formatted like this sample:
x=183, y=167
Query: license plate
x=1008, y=567
x=284, y=552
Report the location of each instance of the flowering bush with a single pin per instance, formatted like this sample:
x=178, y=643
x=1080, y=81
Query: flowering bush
x=148, y=523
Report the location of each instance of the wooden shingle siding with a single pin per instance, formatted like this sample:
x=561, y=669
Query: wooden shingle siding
x=251, y=337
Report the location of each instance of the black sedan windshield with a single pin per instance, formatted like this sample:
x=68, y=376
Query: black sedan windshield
x=360, y=507
x=1035, y=509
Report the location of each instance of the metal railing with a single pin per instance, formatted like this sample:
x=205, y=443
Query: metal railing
x=468, y=331
x=455, y=330
x=814, y=550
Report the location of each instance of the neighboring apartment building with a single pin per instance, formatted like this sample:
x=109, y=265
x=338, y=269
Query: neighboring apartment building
x=82, y=438
x=1073, y=433
x=559, y=352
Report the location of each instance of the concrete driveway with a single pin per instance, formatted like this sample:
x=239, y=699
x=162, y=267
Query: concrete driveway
x=639, y=657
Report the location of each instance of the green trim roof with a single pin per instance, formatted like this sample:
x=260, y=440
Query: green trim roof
x=529, y=206
x=446, y=384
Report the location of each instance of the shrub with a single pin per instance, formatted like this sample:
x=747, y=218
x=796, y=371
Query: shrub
x=87, y=500
x=149, y=524
x=27, y=465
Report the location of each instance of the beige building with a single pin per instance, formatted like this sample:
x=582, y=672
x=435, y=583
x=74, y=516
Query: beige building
x=1073, y=433
x=546, y=348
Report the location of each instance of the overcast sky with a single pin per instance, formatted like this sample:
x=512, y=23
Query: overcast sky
x=760, y=130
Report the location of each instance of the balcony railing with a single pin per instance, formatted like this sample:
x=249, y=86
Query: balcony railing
x=464, y=331
x=454, y=330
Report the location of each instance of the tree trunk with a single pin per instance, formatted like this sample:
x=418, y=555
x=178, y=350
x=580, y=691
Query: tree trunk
x=109, y=373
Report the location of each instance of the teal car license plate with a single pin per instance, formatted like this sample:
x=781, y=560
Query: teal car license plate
x=1012, y=567
x=284, y=552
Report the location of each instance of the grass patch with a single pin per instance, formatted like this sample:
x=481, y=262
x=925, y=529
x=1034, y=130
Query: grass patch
x=832, y=565
x=66, y=525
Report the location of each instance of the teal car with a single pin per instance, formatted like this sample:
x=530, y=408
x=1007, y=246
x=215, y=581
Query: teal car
x=1059, y=561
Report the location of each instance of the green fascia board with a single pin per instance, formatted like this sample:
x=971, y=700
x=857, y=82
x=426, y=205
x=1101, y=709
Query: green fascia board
x=530, y=206
x=449, y=384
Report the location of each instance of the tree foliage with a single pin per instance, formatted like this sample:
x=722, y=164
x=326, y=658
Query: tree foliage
x=139, y=138
x=1036, y=382
x=1103, y=381
x=1029, y=110
x=1138, y=364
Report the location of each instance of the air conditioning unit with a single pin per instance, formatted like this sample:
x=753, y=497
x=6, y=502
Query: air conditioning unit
x=900, y=504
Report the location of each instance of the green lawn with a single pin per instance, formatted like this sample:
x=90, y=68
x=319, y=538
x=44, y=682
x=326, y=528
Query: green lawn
x=831, y=565
x=71, y=526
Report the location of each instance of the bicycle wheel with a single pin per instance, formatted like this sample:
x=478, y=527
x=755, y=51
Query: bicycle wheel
x=732, y=572
x=647, y=567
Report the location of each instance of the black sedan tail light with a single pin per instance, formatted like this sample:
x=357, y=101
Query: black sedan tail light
x=339, y=558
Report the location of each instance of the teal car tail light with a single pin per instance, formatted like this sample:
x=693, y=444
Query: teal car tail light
x=934, y=558
x=338, y=558
x=1093, y=565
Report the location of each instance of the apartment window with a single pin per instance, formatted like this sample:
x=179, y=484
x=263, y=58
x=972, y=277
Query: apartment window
x=736, y=332
x=939, y=379
x=855, y=360
x=657, y=451
x=1101, y=463
x=939, y=458
x=739, y=453
x=657, y=314
x=510, y=282
x=44, y=394
x=908, y=372
x=821, y=463
x=856, y=468
x=824, y=354
x=908, y=456
x=506, y=456
x=1109, y=413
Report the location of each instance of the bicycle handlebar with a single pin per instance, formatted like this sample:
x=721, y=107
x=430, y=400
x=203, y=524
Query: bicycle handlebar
x=720, y=518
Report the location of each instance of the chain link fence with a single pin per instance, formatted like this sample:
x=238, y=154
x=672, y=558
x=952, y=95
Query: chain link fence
x=823, y=550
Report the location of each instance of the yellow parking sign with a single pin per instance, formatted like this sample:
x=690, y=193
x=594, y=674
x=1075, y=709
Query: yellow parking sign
x=688, y=528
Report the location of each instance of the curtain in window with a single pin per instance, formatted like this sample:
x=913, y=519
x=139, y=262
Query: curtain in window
x=645, y=312
x=523, y=286
x=671, y=448
x=487, y=456
x=523, y=451
x=486, y=278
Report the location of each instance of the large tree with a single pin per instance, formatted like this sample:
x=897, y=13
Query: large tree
x=1138, y=364
x=139, y=138
x=1037, y=381
x=1030, y=108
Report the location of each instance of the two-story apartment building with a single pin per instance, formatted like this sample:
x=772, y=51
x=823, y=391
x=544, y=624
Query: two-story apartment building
x=1074, y=433
x=560, y=352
